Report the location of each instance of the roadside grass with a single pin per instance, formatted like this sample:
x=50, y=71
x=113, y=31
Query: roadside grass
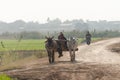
x=19, y=64
x=97, y=39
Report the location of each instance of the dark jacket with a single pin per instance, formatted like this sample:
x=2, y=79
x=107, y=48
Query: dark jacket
x=61, y=37
x=88, y=36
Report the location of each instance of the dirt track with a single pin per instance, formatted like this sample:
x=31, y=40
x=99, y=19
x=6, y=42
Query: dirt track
x=93, y=62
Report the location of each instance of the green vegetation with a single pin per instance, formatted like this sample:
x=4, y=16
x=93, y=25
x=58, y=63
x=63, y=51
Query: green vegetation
x=7, y=45
x=4, y=77
x=97, y=39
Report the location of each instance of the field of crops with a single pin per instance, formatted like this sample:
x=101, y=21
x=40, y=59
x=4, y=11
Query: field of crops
x=6, y=45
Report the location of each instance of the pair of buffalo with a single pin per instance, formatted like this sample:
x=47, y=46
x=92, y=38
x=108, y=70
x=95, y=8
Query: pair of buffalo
x=53, y=46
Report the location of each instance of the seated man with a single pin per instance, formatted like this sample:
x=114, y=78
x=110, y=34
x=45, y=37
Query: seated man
x=60, y=38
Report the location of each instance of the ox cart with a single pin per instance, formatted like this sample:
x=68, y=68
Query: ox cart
x=59, y=46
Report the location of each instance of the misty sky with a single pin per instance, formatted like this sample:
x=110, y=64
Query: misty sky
x=40, y=10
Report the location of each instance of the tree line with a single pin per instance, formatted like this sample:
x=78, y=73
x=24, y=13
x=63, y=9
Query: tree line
x=74, y=33
x=57, y=25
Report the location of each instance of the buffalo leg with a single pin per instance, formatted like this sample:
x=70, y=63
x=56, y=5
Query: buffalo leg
x=53, y=57
x=49, y=57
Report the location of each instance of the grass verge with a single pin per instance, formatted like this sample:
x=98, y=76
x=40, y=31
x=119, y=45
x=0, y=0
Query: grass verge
x=19, y=64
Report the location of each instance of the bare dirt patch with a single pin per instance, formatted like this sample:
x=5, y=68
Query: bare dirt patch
x=115, y=47
x=71, y=71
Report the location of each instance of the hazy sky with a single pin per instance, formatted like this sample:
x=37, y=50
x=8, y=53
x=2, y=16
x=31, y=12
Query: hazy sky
x=40, y=10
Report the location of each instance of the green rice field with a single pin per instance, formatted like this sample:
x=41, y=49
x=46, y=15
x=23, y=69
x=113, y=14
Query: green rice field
x=6, y=45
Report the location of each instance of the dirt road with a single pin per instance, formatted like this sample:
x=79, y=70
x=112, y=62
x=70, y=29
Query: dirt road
x=93, y=62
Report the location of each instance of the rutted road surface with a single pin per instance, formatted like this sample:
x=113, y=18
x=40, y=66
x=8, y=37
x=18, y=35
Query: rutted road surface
x=93, y=62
